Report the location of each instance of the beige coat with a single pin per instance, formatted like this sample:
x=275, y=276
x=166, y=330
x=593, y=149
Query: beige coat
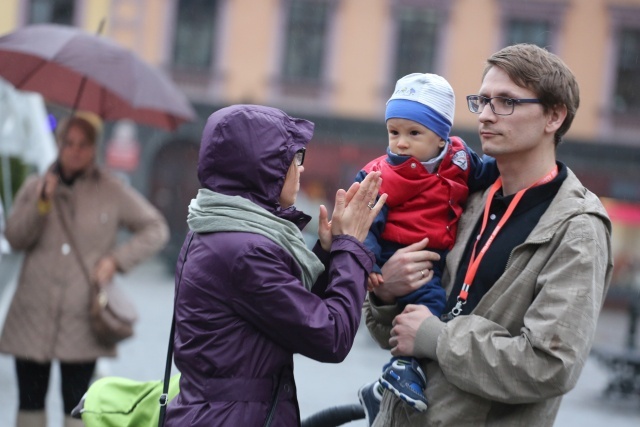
x=525, y=344
x=49, y=314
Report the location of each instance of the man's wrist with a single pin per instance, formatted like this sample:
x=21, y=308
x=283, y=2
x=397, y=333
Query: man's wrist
x=426, y=344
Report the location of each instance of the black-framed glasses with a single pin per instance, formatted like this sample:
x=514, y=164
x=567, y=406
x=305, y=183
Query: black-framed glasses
x=299, y=156
x=500, y=105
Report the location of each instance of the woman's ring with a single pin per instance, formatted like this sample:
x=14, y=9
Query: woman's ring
x=370, y=205
x=422, y=272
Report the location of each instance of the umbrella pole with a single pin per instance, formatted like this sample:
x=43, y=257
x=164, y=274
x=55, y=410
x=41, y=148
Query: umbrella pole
x=76, y=103
x=83, y=82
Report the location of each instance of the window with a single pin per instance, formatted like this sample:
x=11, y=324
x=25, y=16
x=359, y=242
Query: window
x=417, y=30
x=626, y=97
x=535, y=22
x=305, y=42
x=418, y=37
x=194, y=34
x=528, y=31
x=621, y=99
x=51, y=11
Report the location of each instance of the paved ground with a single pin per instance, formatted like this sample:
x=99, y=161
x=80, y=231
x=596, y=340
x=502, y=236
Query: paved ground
x=319, y=385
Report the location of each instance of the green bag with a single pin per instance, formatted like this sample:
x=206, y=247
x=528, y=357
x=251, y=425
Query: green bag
x=122, y=402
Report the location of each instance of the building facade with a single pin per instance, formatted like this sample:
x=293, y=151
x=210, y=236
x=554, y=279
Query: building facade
x=336, y=61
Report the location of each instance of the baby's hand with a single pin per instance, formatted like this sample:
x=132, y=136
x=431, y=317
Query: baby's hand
x=375, y=280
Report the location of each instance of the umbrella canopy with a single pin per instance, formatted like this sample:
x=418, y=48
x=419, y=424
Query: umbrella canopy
x=84, y=71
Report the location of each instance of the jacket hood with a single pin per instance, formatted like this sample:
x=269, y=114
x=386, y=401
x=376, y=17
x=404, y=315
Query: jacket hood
x=246, y=151
x=573, y=200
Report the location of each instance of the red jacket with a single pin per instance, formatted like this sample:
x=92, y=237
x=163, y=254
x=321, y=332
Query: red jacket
x=422, y=204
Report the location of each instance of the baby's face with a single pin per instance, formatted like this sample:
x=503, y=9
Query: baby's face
x=409, y=138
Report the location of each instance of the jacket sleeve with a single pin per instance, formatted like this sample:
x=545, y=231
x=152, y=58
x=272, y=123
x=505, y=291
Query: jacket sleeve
x=374, y=237
x=147, y=225
x=483, y=171
x=271, y=297
x=545, y=359
x=320, y=287
x=378, y=318
x=24, y=223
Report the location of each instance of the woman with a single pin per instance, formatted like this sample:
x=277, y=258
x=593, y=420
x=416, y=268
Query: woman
x=49, y=315
x=249, y=294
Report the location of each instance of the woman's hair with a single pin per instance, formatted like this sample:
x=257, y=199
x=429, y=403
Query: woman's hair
x=544, y=73
x=90, y=125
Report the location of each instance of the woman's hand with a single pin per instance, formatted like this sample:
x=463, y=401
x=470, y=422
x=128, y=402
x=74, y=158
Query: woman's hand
x=48, y=186
x=406, y=270
x=104, y=270
x=356, y=208
x=324, y=229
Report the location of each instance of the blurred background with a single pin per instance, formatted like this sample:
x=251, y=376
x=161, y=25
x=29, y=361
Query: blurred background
x=335, y=62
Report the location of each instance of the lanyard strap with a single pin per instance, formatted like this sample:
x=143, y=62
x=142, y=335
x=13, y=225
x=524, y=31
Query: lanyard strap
x=474, y=261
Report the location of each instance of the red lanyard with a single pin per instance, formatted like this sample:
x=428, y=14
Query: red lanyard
x=474, y=261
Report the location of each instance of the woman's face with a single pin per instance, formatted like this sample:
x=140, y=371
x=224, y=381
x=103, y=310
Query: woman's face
x=291, y=185
x=77, y=152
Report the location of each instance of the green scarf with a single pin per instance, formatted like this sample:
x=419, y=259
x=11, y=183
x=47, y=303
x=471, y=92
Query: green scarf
x=211, y=212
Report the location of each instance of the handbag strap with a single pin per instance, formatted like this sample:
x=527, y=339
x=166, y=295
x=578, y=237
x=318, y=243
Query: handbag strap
x=274, y=400
x=164, y=397
x=74, y=248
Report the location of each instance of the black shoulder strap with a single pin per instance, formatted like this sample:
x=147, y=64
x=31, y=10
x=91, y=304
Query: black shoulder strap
x=164, y=397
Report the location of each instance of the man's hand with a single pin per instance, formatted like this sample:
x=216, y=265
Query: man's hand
x=405, y=328
x=406, y=270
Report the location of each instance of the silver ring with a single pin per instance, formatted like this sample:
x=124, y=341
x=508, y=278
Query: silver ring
x=422, y=272
x=370, y=205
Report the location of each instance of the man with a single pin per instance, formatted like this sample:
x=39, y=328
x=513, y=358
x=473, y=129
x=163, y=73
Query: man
x=527, y=277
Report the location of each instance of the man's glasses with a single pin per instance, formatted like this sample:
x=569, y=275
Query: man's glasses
x=299, y=156
x=500, y=105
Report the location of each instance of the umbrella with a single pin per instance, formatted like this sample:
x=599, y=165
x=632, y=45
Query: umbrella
x=84, y=71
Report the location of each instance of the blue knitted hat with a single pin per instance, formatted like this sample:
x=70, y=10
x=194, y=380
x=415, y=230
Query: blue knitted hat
x=427, y=99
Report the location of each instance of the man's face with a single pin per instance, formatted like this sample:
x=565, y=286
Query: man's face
x=522, y=134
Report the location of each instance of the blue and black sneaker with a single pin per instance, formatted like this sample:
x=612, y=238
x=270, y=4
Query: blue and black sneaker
x=370, y=396
x=405, y=378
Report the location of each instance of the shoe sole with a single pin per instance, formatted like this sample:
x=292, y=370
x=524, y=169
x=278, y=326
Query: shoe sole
x=415, y=404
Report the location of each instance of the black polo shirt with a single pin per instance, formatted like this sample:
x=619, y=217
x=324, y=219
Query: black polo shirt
x=533, y=204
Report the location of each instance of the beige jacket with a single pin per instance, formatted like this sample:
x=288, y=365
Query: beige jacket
x=49, y=314
x=523, y=347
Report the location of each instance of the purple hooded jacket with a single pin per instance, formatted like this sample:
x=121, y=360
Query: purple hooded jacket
x=241, y=309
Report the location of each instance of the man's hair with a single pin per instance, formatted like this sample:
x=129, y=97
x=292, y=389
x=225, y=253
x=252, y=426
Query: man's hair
x=544, y=73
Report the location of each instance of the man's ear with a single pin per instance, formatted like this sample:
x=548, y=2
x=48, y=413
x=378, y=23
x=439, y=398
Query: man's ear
x=556, y=117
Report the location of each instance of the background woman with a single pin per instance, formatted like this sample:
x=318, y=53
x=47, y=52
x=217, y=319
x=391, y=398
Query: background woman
x=49, y=315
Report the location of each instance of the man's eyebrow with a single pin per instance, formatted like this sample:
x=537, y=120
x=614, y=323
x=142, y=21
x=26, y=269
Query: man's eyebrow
x=504, y=94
